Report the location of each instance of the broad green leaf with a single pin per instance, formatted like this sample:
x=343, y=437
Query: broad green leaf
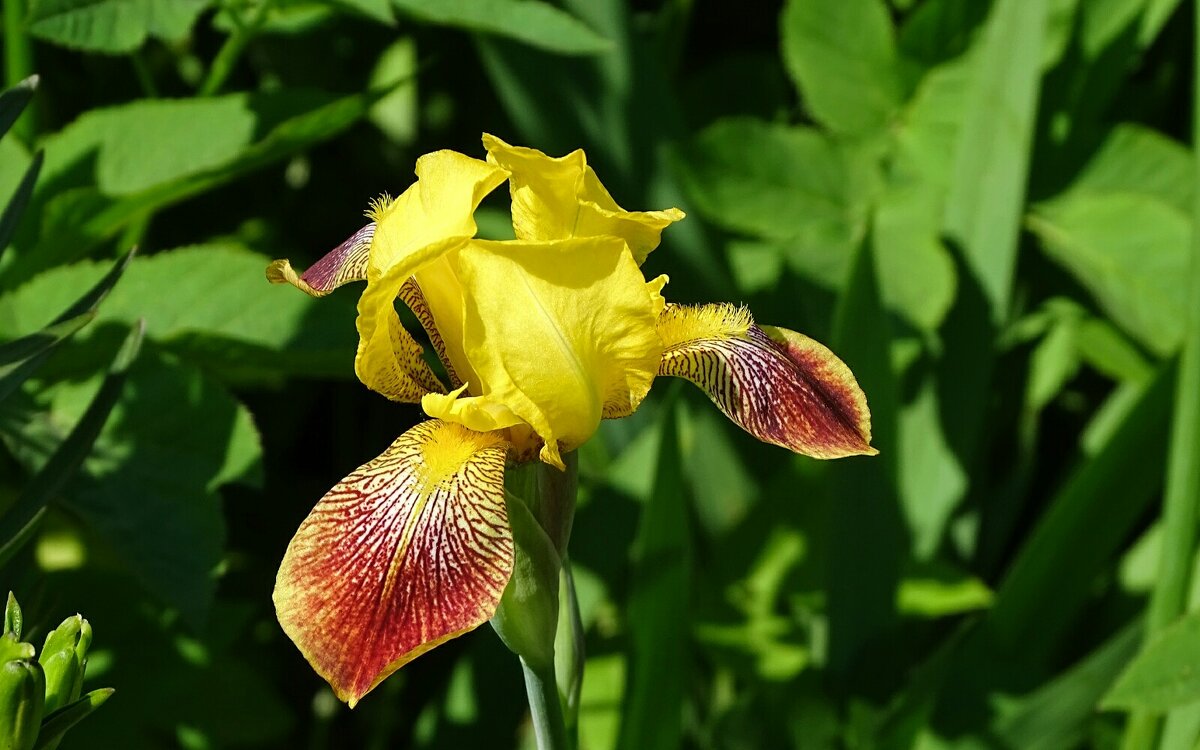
x=932, y=480
x=940, y=591
x=917, y=275
x=930, y=123
x=1056, y=714
x=111, y=26
x=149, y=488
x=533, y=22
x=220, y=311
x=842, y=56
x=68, y=454
x=938, y=30
x=397, y=114
x=1136, y=159
x=1131, y=251
x=379, y=10
x=600, y=701
x=654, y=692
x=1164, y=675
x=779, y=182
x=287, y=122
x=983, y=210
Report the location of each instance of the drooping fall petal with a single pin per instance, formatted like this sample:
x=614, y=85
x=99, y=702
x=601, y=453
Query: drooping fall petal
x=780, y=386
x=558, y=335
x=433, y=217
x=560, y=198
x=409, y=551
x=345, y=263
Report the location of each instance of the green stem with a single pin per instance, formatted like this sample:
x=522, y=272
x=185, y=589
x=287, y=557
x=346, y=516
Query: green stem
x=1181, y=500
x=18, y=61
x=227, y=57
x=545, y=708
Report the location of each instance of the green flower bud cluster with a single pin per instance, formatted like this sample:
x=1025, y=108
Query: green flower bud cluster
x=40, y=694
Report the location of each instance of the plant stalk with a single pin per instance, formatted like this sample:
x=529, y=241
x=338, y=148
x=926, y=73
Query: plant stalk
x=545, y=708
x=18, y=62
x=229, y=54
x=1181, y=500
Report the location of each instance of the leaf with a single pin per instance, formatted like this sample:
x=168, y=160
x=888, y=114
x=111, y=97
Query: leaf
x=531, y=22
x=779, y=182
x=1164, y=675
x=52, y=475
x=984, y=208
x=220, y=312
x=19, y=200
x=654, y=690
x=111, y=26
x=917, y=274
x=12, y=103
x=378, y=10
x=1056, y=714
x=1136, y=159
x=20, y=358
x=842, y=56
x=149, y=487
x=57, y=724
x=1131, y=251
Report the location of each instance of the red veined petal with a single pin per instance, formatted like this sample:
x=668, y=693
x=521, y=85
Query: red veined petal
x=780, y=386
x=409, y=551
x=345, y=263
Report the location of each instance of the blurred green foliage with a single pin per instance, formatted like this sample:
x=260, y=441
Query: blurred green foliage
x=986, y=208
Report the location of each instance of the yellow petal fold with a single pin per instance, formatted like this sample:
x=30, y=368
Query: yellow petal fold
x=430, y=219
x=559, y=334
x=780, y=386
x=410, y=550
x=560, y=198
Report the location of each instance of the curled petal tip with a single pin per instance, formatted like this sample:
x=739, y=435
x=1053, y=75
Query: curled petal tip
x=780, y=386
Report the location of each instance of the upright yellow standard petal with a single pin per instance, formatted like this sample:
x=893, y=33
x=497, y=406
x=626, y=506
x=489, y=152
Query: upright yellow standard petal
x=433, y=217
x=559, y=334
x=560, y=198
x=410, y=550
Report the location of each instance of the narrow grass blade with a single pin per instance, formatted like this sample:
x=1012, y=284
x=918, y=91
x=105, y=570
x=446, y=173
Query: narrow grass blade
x=653, y=716
x=1181, y=500
x=867, y=530
x=13, y=101
x=983, y=211
x=58, y=723
x=19, y=200
x=19, y=358
x=17, y=526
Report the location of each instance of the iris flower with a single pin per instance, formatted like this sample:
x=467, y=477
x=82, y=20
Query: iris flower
x=540, y=338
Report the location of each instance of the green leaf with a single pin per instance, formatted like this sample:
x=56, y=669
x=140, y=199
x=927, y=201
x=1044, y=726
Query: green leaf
x=917, y=275
x=1131, y=251
x=842, y=56
x=19, y=359
x=60, y=466
x=378, y=10
x=19, y=200
x=984, y=208
x=777, y=182
x=149, y=489
x=654, y=691
x=1164, y=675
x=111, y=26
x=13, y=102
x=220, y=312
x=57, y=724
x=531, y=22
x=1056, y=714
x=1136, y=159
x=934, y=591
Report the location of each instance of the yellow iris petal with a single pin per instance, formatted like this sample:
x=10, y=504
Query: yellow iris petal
x=558, y=334
x=560, y=198
x=430, y=219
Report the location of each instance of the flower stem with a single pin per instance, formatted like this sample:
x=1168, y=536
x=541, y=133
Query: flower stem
x=229, y=53
x=545, y=708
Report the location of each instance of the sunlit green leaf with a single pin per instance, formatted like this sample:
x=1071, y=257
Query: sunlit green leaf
x=532, y=22
x=111, y=26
